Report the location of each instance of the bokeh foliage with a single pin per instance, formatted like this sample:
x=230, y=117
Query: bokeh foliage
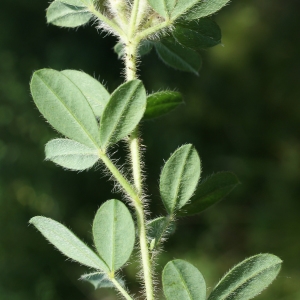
x=241, y=113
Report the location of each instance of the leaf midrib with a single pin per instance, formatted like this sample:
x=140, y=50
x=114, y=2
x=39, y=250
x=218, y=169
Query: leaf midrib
x=183, y=281
x=179, y=179
x=76, y=154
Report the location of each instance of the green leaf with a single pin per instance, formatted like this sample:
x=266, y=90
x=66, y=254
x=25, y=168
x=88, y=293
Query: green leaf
x=198, y=34
x=248, y=279
x=177, y=56
x=123, y=112
x=92, y=89
x=182, y=6
x=204, y=9
x=172, y=9
x=161, y=103
x=212, y=190
x=158, y=229
x=144, y=48
x=71, y=154
x=119, y=49
x=182, y=281
x=179, y=178
x=162, y=7
x=114, y=233
x=77, y=2
x=64, y=106
x=100, y=280
x=65, y=15
x=67, y=243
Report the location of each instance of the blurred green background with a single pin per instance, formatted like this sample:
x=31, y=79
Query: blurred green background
x=242, y=113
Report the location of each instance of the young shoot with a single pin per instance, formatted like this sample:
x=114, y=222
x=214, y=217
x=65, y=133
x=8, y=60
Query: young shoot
x=92, y=120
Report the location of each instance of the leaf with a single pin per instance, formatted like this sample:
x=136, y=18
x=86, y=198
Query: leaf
x=114, y=233
x=92, y=89
x=204, y=9
x=158, y=228
x=100, y=280
x=122, y=113
x=67, y=243
x=179, y=178
x=77, y=2
x=178, y=57
x=70, y=154
x=212, y=190
x=182, y=6
x=172, y=9
x=248, y=279
x=182, y=281
x=198, y=34
x=65, y=15
x=161, y=103
x=162, y=7
x=119, y=49
x=144, y=48
x=64, y=106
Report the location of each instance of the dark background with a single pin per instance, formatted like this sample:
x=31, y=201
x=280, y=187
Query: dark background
x=242, y=114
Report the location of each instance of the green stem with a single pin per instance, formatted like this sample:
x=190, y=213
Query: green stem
x=138, y=205
x=121, y=179
x=135, y=160
x=131, y=70
x=121, y=289
x=130, y=59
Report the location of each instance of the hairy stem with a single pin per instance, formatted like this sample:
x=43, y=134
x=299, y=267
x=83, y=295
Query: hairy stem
x=121, y=289
x=134, y=145
x=138, y=205
x=131, y=73
x=128, y=188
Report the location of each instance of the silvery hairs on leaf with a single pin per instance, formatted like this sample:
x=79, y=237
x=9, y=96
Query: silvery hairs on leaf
x=67, y=243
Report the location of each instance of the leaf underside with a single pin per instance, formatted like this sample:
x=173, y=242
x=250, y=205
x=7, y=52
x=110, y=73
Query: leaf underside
x=64, y=106
x=248, y=279
x=71, y=154
x=122, y=113
x=92, y=89
x=179, y=177
x=161, y=103
x=67, y=243
x=172, y=9
x=114, y=233
x=65, y=15
x=182, y=281
x=204, y=9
